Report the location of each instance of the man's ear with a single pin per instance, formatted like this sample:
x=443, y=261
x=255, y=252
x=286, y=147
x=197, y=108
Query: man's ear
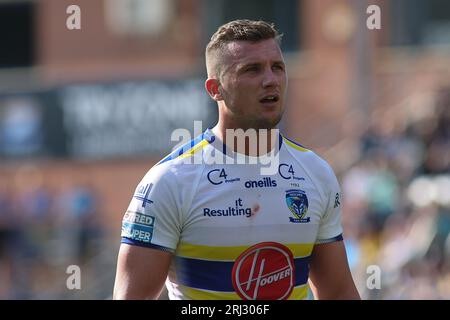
x=212, y=86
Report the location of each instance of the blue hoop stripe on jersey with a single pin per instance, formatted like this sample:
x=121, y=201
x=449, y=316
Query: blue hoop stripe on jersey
x=144, y=244
x=334, y=239
x=216, y=275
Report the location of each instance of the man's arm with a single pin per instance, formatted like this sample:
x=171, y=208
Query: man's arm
x=330, y=276
x=141, y=272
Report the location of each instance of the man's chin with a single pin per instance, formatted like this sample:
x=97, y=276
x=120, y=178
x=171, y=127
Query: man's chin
x=268, y=122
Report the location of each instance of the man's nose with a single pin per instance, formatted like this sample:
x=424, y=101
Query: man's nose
x=270, y=78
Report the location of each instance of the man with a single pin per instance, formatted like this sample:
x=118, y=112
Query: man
x=224, y=230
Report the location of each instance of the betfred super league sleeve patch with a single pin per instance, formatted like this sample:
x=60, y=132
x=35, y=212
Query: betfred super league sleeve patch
x=138, y=226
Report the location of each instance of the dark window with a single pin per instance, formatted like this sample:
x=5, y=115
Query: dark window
x=16, y=34
x=418, y=22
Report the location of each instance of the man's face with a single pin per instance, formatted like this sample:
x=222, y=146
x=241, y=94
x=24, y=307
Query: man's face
x=252, y=84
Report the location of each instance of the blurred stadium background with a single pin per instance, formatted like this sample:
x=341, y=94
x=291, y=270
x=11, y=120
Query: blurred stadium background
x=85, y=113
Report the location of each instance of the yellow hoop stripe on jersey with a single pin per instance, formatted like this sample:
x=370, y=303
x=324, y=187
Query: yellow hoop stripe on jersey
x=231, y=253
x=188, y=149
x=194, y=149
x=299, y=293
x=295, y=146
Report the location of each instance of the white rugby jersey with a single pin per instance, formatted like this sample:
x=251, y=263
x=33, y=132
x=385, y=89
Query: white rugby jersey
x=235, y=233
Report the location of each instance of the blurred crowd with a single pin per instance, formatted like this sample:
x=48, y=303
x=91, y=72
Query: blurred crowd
x=396, y=216
x=397, y=203
x=43, y=230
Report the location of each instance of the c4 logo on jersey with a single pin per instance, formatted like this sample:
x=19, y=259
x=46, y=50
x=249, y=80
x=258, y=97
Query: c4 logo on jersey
x=286, y=171
x=219, y=176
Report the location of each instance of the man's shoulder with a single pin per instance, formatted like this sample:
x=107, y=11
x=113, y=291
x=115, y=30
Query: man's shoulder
x=181, y=163
x=185, y=151
x=309, y=159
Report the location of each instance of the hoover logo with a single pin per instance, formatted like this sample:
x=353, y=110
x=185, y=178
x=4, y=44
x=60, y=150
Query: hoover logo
x=297, y=202
x=264, y=271
x=263, y=183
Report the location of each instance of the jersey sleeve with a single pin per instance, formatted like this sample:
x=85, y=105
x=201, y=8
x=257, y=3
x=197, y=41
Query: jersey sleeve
x=330, y=228
x=153, y=217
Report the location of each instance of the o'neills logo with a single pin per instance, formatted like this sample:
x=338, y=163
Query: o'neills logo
x=264, y=271
x=263, y=183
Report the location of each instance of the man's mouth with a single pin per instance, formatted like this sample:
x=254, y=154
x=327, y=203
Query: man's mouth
x=272, y=98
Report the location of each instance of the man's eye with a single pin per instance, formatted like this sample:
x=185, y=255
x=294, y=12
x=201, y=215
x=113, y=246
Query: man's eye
x=251, y=68
x=278, y=67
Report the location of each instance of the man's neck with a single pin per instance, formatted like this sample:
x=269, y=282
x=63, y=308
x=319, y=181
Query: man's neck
x=253, y=142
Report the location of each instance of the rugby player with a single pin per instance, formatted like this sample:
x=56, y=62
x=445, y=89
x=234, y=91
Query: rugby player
x=224, y=230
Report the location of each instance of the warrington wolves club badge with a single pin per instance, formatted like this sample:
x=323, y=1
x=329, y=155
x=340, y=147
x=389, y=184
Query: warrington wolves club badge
x=297, y=202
